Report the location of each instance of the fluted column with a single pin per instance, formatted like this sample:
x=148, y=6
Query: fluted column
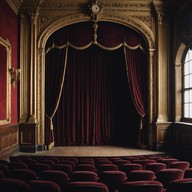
x=151, y=97
x=24, y=66
x=162, y=70
x=33, y=79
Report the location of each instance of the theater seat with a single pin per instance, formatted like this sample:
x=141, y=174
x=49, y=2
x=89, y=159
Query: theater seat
x=13, y=185
x=184, y=185
x=44, y=186
x=166, y=176
x=83, y=186
x=183, y=165
x=83, y=176
x=113, y=179
x=127, y=168
x=141, y=186
x=156, y=167
x=59, y=177
x=23, y=174
x=141, y=175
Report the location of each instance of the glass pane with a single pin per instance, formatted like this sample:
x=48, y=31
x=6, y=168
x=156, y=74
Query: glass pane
x=187, y=57
x=186, y=110
x=190, y=80
x=186, y=81
x=186, y=68
x=190, y=67
x=190, y=109
x=186, y=97
x=190, y=95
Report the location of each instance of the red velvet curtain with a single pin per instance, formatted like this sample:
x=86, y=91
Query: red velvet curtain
x=96, y=106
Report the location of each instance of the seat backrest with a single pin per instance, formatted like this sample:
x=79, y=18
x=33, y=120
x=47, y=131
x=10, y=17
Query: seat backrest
x=156, y=167
x=85, y=167
x=179, y=185
x=14, y=185
x=42, y=185
x=141, y=186
x=56, y=176
x=23, y=174
x=113, y=179
x=141, y=175
x=84, y=176
x=83, y=186
x=166, y=176
x=183, y=165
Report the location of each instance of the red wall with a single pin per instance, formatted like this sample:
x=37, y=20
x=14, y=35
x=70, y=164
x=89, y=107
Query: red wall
x=9, y=30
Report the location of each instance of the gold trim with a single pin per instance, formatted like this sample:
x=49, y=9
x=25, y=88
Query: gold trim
x=7, y=45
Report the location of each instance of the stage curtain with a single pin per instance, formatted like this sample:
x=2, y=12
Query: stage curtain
x=136, y=72
x=56, y=61
x=86, y=107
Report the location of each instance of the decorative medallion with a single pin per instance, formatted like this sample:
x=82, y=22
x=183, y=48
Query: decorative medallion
x=95, y=8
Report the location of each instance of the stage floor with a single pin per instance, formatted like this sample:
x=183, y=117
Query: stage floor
x=92, y=151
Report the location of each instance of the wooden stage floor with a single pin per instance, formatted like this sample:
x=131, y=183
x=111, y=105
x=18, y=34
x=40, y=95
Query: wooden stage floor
x=92, y=151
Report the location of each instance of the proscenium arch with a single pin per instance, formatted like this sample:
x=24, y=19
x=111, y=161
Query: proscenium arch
x=131, y=22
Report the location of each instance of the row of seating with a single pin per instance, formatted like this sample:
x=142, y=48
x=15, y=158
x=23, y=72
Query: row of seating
x=109, y=173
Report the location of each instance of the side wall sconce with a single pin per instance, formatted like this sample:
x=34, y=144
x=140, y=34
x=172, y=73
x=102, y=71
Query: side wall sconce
x=15, y=75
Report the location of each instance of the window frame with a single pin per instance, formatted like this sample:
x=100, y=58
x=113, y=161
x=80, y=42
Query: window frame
x=185, y=119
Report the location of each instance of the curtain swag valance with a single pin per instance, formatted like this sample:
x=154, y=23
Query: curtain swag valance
x=109, y=37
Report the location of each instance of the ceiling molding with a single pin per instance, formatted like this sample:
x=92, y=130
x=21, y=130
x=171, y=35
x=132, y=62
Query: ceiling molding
x=15, y=5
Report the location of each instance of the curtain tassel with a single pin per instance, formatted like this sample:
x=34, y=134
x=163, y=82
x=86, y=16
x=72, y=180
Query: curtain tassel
x=141, y=124
x=51, y=124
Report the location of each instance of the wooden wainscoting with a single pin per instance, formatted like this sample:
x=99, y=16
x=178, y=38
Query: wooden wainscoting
x=161, y=135
x=179, y=139
x=9, y=140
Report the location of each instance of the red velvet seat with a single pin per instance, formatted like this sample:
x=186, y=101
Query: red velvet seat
x=86, y=162
x=63, y=167
x=1, y=174
x=17, y=165
x=85, y=167
x=4, y=162
x=144, y=162
x=100, y=162
x=183, y=165
x=156, y=167
x=67, y=162
x=144, y=175
x=113, y=179
x=131, y=158
x=127, y=168
x=74, y=159
x=39, y=167
x=141, y=186
x=188, y=173
x=83, y=186
x=23, y=174
x=59, y=177
x=180, y=185
x=50, y=163
x=167, y=161
x=5, y=169
x=106, y=167
x=13, y=185
x=83, y=176
x=121, y=162
x=166, y=176
x=44, y=186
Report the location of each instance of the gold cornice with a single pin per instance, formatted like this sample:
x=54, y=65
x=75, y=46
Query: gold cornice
x=15, y=5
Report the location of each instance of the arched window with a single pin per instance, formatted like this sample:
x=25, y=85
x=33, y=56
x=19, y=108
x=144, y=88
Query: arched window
x=187, y=86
